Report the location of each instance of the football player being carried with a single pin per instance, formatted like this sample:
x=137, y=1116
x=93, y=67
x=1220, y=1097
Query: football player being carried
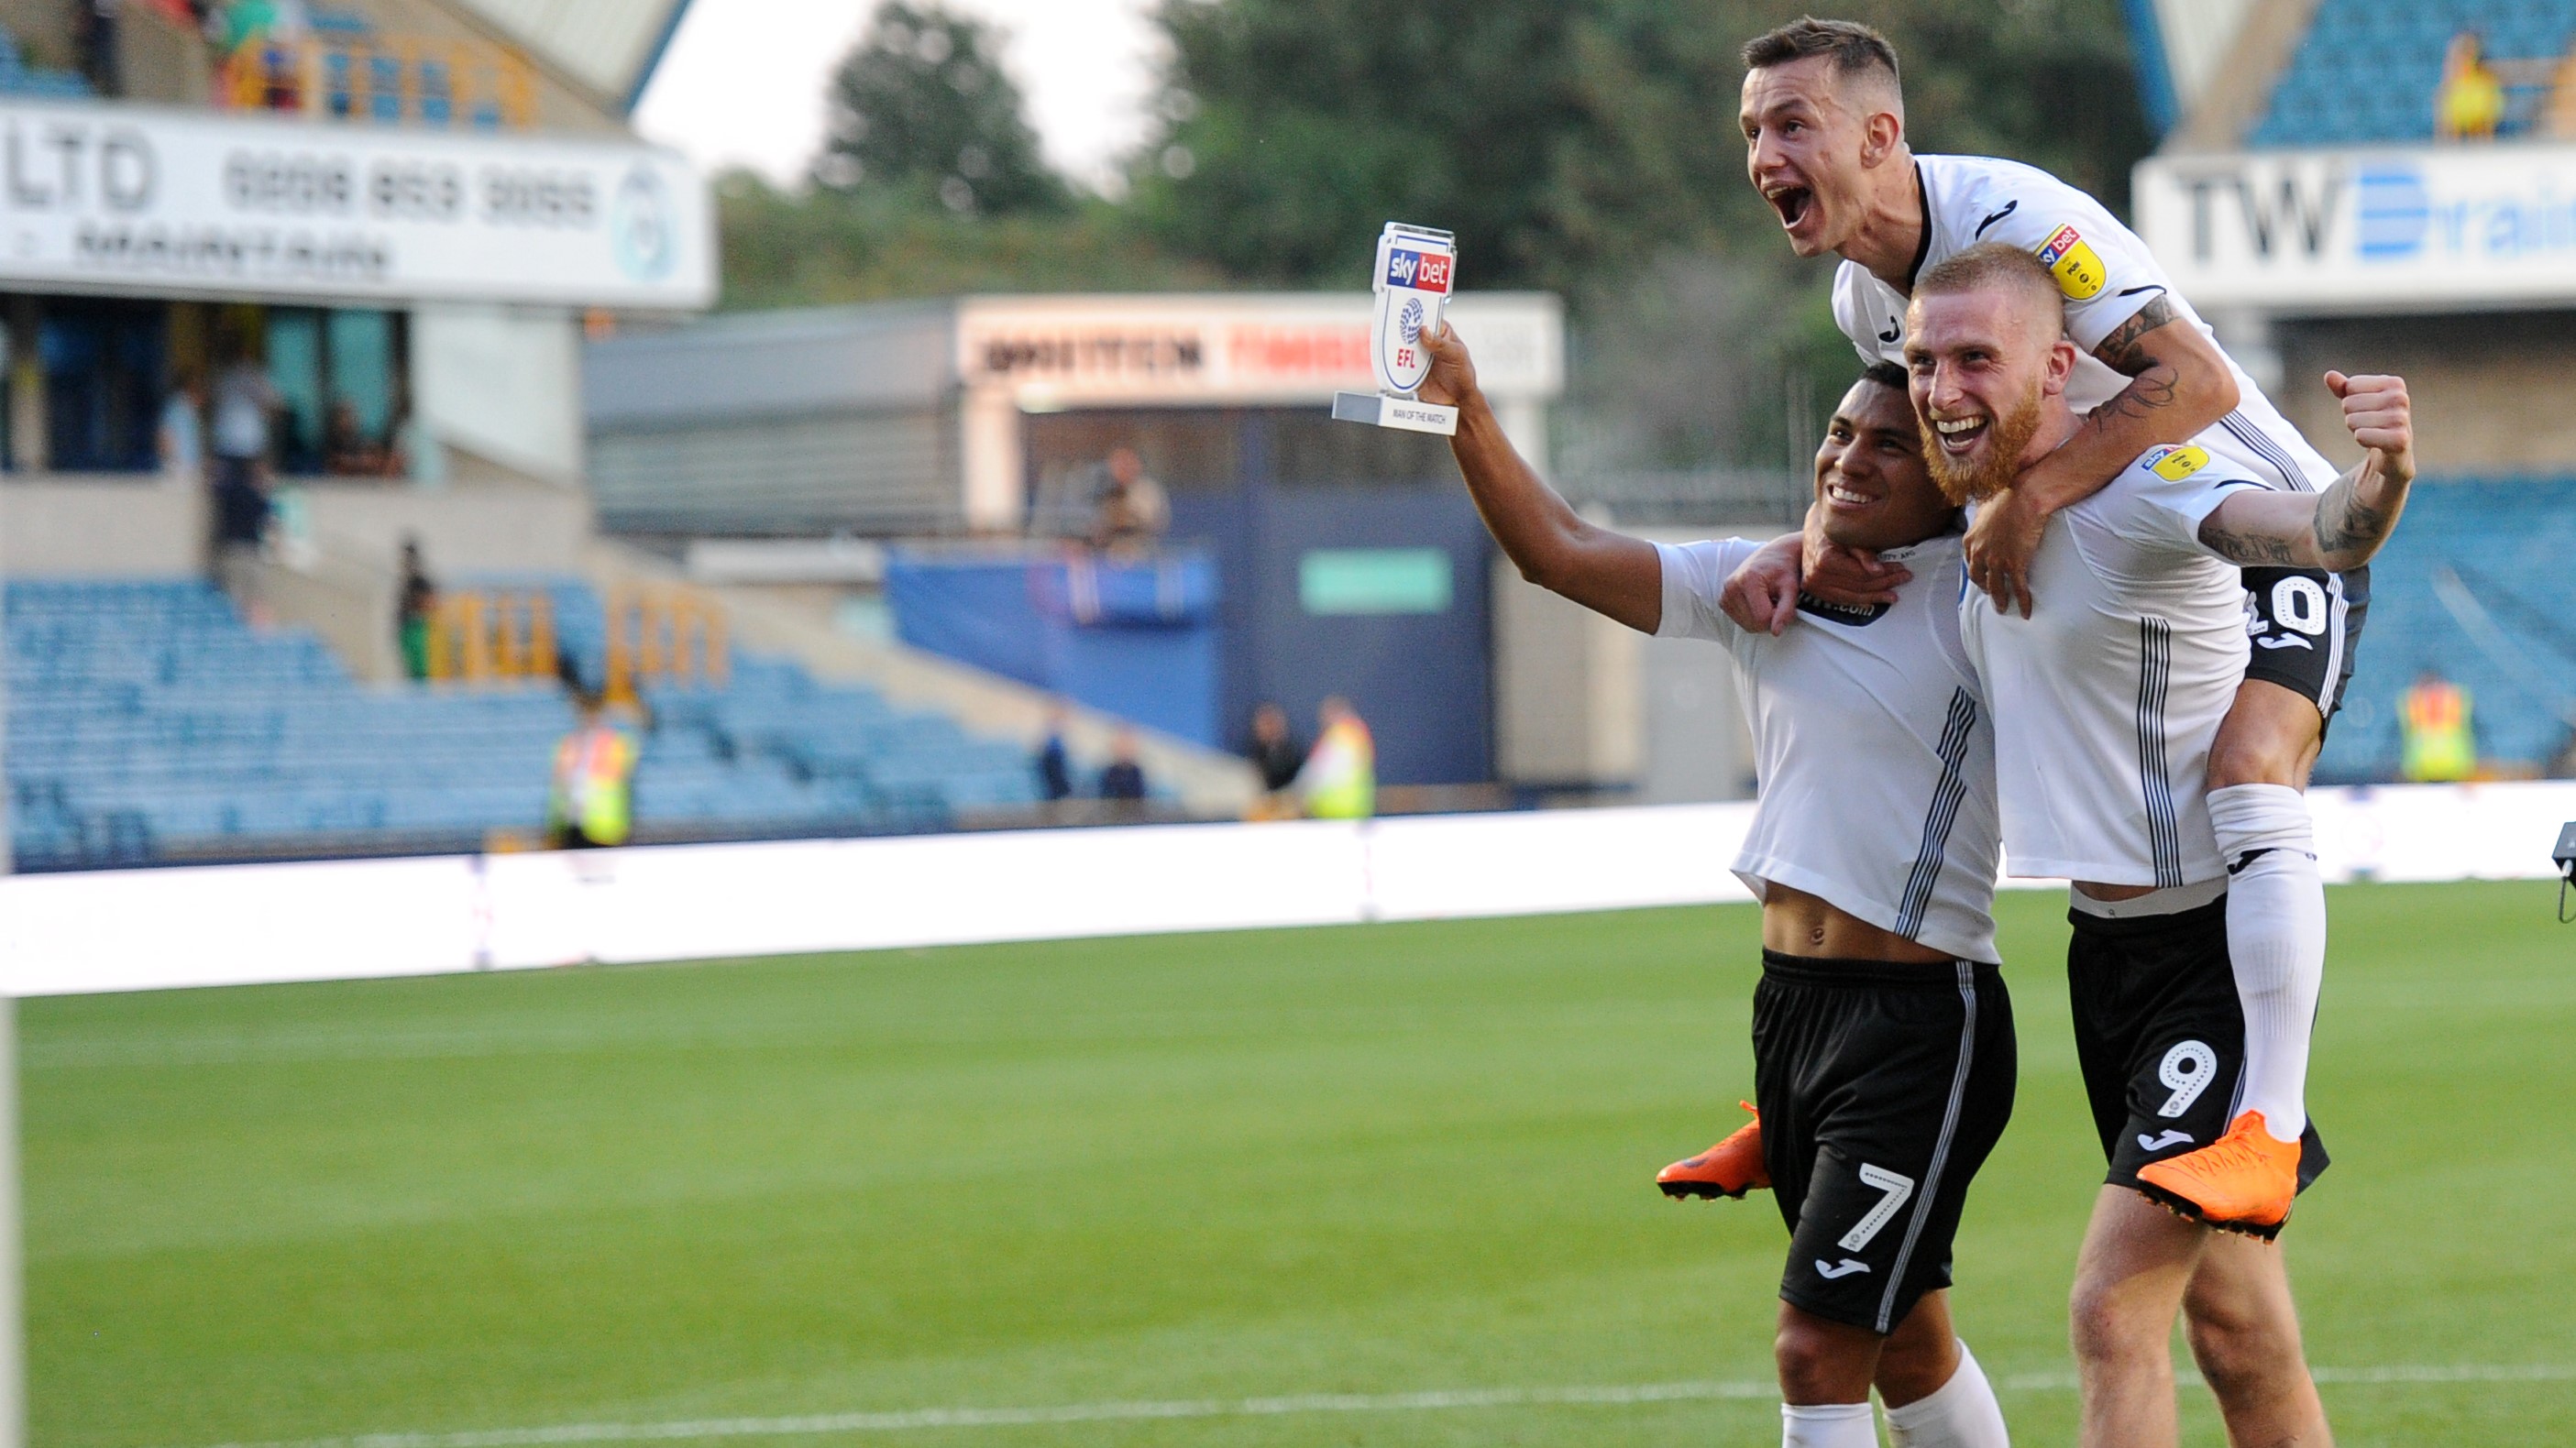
x=2108, y=703
x=1823, y=117
x=1882, y=1035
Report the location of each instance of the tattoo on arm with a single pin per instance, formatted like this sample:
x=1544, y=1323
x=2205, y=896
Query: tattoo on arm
x=2151, y=382
x=2251, y=549
x=2122, y=352
x=2345, y=524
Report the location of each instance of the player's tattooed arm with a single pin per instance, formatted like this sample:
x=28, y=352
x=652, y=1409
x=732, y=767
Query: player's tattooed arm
x=2337, y=529
x=2250, y=543
x=2346, y=526
x=2152, y=381
x=2343, y=526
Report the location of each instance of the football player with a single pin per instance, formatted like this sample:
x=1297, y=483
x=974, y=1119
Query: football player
x=1823, y=116
x=2108, y=702
x=1882, y=1034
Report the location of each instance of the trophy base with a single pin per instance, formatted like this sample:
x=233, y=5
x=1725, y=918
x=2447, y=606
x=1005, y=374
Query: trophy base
x=1379, y=410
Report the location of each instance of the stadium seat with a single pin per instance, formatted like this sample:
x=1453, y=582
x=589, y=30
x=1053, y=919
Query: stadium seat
x=2464, y=588
x=148, y=722
x=2365, y=72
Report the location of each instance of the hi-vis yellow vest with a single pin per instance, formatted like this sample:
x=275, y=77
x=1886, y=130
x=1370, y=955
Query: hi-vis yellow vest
x=1340, y=777
x=594, y=784
x=2434, y=721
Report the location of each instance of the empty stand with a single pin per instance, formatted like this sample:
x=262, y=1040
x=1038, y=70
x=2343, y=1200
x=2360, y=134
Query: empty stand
x=148, y=723
x=2473, y=585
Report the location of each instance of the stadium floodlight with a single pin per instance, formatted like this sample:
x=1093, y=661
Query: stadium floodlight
x=2564, y=856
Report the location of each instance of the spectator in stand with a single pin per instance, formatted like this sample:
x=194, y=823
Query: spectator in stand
x=1131, y=514
x=1054, y=761
x=415, y=609
x=1278, y=757
x=2468, y=105
x=245, y=406
x=1122, y=782
x=94, y=38
x=1339, y=781
x=347, y=451
x=1274, y=751
x=181, y=437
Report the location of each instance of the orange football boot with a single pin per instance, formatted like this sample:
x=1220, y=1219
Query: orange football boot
x=2243, y=1182
x=1729, y=1169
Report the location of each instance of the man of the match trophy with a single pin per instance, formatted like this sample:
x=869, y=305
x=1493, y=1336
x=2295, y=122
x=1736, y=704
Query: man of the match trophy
x=1415, y=267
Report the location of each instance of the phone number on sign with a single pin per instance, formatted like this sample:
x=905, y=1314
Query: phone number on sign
x=303, y=184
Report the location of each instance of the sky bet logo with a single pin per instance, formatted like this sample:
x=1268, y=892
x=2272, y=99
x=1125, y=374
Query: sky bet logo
x=1415, y=270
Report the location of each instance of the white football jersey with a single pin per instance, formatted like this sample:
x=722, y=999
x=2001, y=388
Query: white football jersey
x=1876, y=759
x=2107, y=697
x=2107, y=275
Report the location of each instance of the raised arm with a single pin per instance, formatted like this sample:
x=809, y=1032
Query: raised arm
x=2179, y=386
x=1609, y=573
x=2340, y=528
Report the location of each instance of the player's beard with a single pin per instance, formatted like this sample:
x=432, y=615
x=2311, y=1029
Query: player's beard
x=1964, y=483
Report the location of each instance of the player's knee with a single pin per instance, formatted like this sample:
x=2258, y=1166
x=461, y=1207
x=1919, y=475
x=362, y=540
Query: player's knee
x=1817, y=1364
x=2243, y=1356
x=1914, y=1368
x=2104, y=1327
x=2253, y=756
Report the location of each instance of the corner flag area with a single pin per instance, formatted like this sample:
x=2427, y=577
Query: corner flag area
x=1384, y=1184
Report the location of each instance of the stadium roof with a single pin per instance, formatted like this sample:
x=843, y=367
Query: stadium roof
x=610, y=46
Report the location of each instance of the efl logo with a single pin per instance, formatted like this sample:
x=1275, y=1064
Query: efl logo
x=1418, y=271
x=2173, y=464
x=2079, y=270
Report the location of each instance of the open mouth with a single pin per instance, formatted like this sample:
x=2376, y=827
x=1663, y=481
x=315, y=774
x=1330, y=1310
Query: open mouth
x=1844, y=497
x=1959, y=435
x=1792, y=202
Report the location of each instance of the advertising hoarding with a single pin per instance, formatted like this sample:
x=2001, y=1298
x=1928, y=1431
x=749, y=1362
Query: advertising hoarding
x=2366, y=230
x=146, y=201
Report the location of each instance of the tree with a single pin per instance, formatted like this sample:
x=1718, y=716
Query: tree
x=923, y=106
x=1556, y=138
x=1591, y=147
x=786, y=249
x=1567, y=141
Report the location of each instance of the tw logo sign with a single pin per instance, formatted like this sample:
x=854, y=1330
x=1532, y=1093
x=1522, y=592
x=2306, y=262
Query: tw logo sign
x=2287, y=215
x=1418, y=270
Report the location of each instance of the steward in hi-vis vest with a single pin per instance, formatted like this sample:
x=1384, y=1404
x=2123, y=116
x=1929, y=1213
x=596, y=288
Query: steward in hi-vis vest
x=2433, y=721
x=592, y=801
x=1339, y=781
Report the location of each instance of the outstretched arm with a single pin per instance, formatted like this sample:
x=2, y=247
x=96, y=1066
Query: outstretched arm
x=2179, y=386
x=1609, y=573
x=2340, y=528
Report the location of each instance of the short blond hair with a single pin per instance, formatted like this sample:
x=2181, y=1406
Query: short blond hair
x=1995, y=266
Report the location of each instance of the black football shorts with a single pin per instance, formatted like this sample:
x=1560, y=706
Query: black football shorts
x=1882, y=1088
x=2160, y=1036
x=2303, y=624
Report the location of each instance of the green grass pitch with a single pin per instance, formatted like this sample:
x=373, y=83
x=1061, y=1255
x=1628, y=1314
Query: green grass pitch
x=1375, y=1160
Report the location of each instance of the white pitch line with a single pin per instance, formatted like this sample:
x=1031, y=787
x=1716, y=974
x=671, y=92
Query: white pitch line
x=917, y=1418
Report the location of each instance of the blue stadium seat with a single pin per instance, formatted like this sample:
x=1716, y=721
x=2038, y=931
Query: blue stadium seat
x=2468, y=586
x=147, y=721
x=2365, y=72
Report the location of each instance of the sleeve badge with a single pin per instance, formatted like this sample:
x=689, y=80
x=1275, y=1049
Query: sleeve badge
x=2078, y=268
x=2173, y=464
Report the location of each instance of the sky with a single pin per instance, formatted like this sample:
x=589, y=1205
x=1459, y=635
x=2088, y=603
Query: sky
x=742, y=83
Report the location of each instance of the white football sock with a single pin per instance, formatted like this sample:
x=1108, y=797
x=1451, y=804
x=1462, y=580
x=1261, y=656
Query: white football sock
x=2276, y=936
x=1963, y=1414
x=1828, y=1425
